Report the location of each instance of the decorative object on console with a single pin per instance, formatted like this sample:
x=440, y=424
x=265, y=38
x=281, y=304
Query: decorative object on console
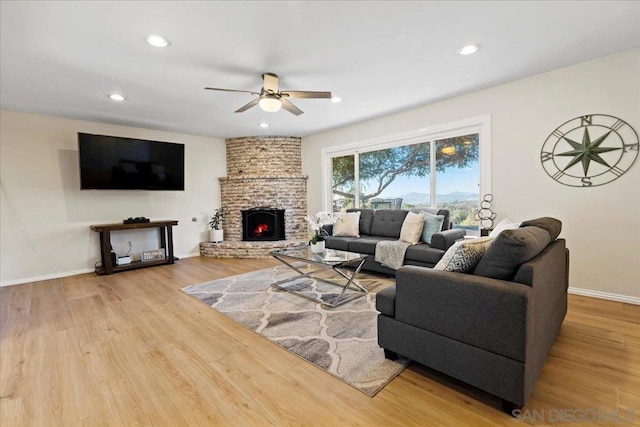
x=216, y=234
x=153, y=255
x=136, y=220
x=485, y=215
x=589, y=150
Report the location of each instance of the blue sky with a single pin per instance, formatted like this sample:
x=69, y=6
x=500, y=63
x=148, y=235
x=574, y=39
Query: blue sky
x=465, y=180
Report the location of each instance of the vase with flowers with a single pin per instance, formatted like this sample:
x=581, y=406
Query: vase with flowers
x=317, y=231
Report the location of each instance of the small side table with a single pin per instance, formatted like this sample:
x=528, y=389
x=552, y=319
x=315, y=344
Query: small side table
x=166, y=242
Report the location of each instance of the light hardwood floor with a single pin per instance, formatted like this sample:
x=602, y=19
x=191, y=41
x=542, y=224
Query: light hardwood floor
x=131, y=349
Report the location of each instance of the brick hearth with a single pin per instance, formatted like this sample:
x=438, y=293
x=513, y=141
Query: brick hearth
x=261, y=172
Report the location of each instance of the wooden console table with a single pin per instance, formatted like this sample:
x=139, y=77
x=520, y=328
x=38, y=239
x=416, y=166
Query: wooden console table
x=166, y=242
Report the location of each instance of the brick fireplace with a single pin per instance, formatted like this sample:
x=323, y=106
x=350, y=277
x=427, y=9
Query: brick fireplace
x=264, y=173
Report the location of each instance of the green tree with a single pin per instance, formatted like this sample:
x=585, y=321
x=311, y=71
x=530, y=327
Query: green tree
x=380, y=168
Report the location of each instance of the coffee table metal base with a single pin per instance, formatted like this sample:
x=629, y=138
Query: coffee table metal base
x=350, y=290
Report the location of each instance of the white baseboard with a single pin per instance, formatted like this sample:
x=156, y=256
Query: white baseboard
x=605, y=295
x=46, y=277
x=67, y=274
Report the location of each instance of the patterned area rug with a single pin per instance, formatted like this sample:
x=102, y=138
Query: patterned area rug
x=342, y=340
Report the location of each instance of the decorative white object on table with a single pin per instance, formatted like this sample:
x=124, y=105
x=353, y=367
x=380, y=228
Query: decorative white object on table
x=315, y=226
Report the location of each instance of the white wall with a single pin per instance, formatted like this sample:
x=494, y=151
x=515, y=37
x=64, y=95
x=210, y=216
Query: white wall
x=601, y=224
x=45, y=218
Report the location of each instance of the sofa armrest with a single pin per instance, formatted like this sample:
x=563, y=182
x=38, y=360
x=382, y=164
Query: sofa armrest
x=328, y=229
x=494, y=315
x=444, y=239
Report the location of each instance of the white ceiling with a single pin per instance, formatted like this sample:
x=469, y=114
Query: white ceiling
x=64, y=58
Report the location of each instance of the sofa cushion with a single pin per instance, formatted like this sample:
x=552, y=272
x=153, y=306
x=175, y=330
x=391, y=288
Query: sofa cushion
x=366, y=244
x=411, y=230
x=510, y=249
x=423, y=253
x=388, y=223
x=432, y=224
x=366, y=219
x=339, y=243
x=550, y=225
x=347, y=224
x=464, y=256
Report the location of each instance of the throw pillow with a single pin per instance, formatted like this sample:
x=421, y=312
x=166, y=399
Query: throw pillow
x=503, y=225
x=347, y=224
x=432, y=224
x=550, y=225
x=510, y=250
x=464, y=256
x=412, y=228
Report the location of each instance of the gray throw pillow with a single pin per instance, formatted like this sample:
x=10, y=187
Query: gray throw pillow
x=551, y=225
x=509, y=250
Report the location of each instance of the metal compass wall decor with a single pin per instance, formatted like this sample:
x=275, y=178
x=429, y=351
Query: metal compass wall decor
x=589, y=150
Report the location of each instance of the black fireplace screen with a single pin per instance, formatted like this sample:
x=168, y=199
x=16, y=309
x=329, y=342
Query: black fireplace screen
x=263, y=224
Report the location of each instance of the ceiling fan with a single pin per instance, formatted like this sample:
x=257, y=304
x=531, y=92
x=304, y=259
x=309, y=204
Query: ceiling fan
x=271, y=99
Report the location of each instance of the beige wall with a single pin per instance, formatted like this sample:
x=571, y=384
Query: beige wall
x=45, y=217
x=601, y=224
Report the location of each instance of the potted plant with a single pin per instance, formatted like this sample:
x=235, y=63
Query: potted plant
x=216, y=233
x=317, y=243
x=315, y=226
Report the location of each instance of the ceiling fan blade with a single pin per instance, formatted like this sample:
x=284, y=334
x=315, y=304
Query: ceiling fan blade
x=247, y=106
x=270, y=82
x=290, y=107
x=232, y=90
x=306, y=94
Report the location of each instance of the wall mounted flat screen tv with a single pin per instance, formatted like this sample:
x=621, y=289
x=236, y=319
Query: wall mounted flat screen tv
x=114, y=163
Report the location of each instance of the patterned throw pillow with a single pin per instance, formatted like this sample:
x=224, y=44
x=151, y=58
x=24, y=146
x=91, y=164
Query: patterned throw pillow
x=347, y=224
x=432, y=224
x=412, y=228
x=464, y=256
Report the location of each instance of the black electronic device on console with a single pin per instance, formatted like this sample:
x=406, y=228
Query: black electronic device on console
x=136, y=220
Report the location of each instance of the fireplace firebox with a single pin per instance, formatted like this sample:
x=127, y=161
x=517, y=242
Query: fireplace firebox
x=262, y=224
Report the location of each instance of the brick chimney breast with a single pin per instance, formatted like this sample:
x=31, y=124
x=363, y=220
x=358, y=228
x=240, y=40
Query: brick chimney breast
x=262, y=171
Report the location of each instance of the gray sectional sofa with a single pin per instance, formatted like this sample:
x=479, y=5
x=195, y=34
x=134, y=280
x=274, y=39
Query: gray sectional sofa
x=377, y=225
x=492, y=328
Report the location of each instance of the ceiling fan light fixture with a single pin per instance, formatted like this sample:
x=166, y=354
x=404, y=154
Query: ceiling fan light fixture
x=270, y=103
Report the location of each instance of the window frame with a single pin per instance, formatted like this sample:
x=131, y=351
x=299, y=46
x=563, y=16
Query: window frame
x=480, y=125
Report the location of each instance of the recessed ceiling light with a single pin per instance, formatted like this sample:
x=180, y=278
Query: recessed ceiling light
x=117, y=97
x=157, y=41
x=264, y=125
x=336, y=99
x=469, y=49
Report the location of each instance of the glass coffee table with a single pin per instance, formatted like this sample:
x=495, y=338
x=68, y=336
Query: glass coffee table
x=336, y=260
